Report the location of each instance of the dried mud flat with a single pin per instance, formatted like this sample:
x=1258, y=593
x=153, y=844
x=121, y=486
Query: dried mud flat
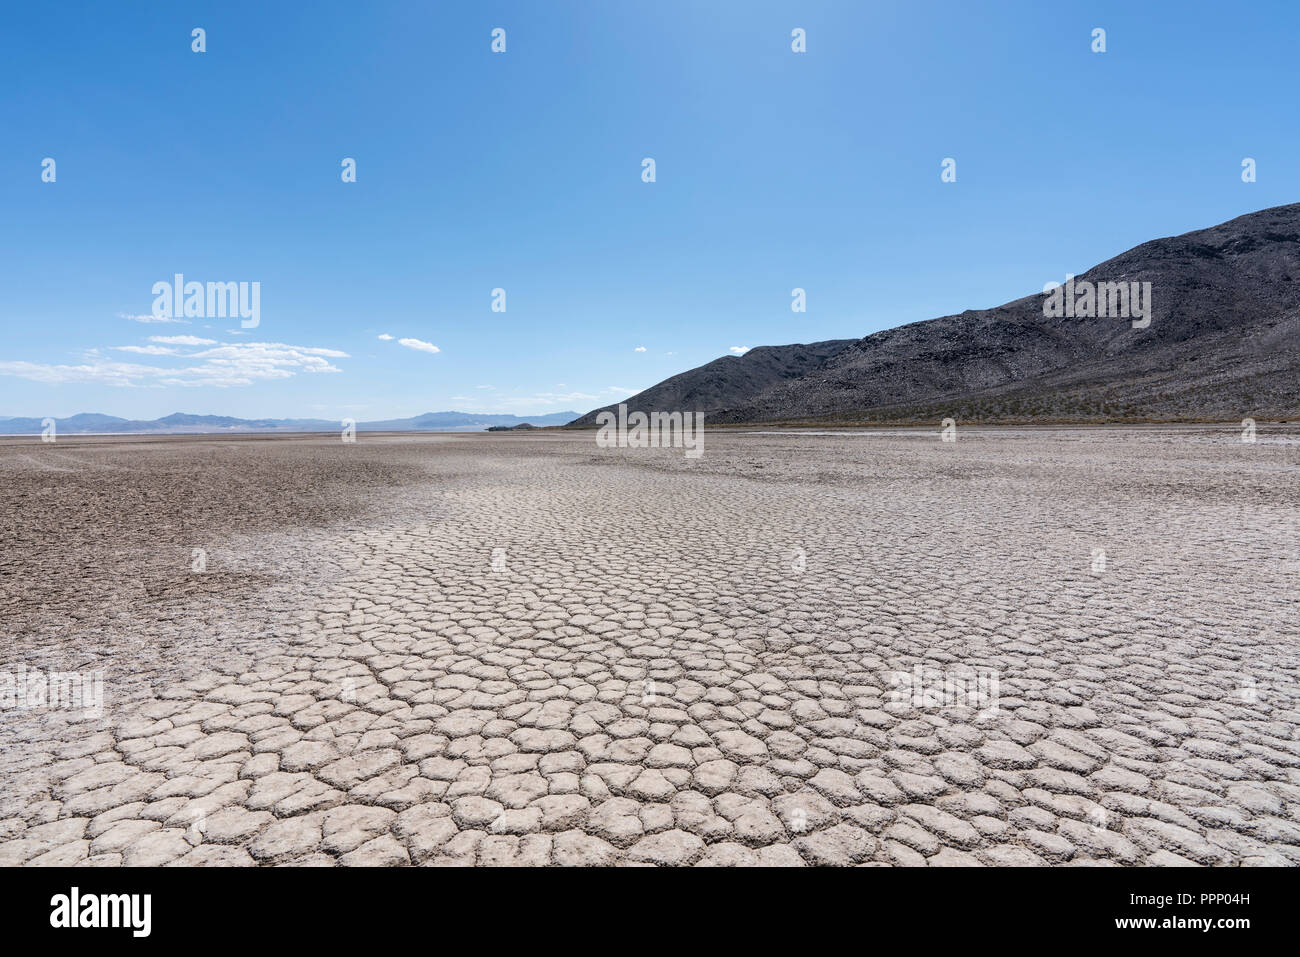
x=671, y=662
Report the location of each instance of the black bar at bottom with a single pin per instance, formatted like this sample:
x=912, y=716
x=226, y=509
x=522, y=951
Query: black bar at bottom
x=301, y=906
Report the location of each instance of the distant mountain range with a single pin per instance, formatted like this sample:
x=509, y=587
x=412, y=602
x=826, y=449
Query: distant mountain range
x=180, y=422
x=1223, y=343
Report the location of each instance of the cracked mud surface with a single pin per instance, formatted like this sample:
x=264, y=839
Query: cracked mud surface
x=672, y=661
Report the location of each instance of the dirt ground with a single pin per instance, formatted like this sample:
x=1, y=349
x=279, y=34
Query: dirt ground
x=1059, y=646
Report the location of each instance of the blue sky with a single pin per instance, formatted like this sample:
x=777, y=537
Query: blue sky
x=522, y=171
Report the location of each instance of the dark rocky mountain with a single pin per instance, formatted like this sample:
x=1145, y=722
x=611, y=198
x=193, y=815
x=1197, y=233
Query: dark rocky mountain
x=723, y=382
x=1223, y=343
x=183, y=422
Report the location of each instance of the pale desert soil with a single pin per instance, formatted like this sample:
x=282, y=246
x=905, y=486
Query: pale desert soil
x=672, y=661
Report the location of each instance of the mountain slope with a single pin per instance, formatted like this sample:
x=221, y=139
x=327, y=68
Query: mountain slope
x=717, y=384
x=184, y=422
x=1223, y=342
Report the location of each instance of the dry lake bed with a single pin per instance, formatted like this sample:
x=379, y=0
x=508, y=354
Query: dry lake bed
x=1043, y=646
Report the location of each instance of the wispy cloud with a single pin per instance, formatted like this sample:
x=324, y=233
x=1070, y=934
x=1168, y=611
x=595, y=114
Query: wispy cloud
x=739, y=350
x=149, y=350
x=386, y=337
x=183, y=340
x=418, y=344
x=639, y=349
x=232, y=364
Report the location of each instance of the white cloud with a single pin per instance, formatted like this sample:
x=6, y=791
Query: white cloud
x=386, y=337
x=149, y=350
x=233, y=364
x=147, y=317
x=739, y=350
x=183, y=340
x=639, y=349
x=619, y=388
x=418, y=344
x=268, y=350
